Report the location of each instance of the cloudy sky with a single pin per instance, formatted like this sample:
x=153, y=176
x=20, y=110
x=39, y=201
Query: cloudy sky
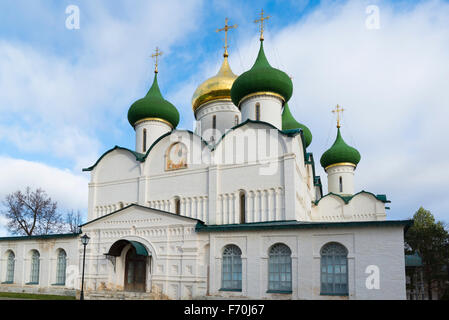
x=65, y=93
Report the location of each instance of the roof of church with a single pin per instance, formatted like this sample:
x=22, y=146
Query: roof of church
x=41, y=237
x=340, y=152
x=262, y=77
x=139, y=156
x=348, y=198
x=289, y=122
x=139, y=206
x=142, y=157
x=153, y=105
x=413, y=260
x=293, y=224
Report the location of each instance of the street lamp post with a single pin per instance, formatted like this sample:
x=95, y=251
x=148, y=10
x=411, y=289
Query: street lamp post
x=84, y=240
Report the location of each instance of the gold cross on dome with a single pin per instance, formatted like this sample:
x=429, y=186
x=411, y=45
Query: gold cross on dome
x=261, y=20
x=226, y=29
x=156, y=55
x=337, y=111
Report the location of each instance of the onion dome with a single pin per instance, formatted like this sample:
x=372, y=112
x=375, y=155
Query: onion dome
x=216, y=88
x=289, y=123
x=262, y=77
x=153, y=107
x=340, y=154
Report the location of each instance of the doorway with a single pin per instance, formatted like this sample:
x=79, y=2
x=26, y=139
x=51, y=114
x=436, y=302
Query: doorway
x=135, y=271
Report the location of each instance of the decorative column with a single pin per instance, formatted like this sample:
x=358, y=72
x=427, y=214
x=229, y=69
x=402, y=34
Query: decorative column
x=220, y=209
x=270, y=204
x=183, y=206
x=194, y=207
x=277, y=215
x=250, y=203
x=205, y=213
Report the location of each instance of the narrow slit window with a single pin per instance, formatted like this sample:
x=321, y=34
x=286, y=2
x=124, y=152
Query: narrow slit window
x=177, y=206
x=258, y=111
x=214, y=122
x=144, y=143
x=341, y=184
x=242, y=207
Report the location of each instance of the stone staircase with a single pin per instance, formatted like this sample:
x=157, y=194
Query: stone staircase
x=121, y=295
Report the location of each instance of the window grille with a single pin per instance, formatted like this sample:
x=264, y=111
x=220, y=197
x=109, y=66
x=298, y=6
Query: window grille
x=232, y=268
x=280, y=268
x=334, y=269
x=34, y=276
x=10, y=267
x=61, y=268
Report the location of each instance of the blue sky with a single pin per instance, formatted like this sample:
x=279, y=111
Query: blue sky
x=65, y=94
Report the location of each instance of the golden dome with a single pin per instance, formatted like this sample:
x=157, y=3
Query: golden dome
x=215, y=88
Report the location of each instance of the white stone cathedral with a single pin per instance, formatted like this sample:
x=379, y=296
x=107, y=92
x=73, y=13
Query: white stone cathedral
x=234, y=209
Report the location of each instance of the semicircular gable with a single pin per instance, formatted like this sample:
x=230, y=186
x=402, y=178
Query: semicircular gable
x=197, y=151
x=331, y=198
x=241, y=143
x=116, y=164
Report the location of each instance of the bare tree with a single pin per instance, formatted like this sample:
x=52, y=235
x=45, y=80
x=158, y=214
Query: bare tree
x=73, y=221
x=32, y=213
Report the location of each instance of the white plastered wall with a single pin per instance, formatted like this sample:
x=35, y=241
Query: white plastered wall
x=367, y=246
x=48, y=251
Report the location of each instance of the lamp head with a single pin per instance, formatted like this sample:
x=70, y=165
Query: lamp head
x=85, y=240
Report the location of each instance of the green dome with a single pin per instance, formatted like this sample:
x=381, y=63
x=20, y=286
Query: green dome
x=289, y=122
x=153, y=105
x=261, y=77
x=339, y=152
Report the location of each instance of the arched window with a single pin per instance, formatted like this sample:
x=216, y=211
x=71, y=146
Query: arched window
x=242, y=206
x=341, y=184
x=280, y=268
x=231, y=275
x=334, y=269
x=34, y=272
x=10, y=267
x=214, y=122
x=61, y=267
x=177, y=206
x=144, y=142
x=236, y=120
x=258, y=111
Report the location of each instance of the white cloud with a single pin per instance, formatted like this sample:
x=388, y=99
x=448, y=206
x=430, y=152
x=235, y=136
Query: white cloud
x=393, y=84
x=63, y=108
x=68, y=189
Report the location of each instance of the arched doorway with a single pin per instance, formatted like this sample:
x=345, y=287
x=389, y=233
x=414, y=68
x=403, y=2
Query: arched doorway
x=135, y=271
x=132, y=267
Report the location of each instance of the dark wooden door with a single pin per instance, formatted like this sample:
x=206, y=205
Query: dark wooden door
x=135, y=271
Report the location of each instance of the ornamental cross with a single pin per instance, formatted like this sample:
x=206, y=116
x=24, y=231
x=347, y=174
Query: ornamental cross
x=156, y=55
x=261, y=20
x=338, y=110
x=226, y=29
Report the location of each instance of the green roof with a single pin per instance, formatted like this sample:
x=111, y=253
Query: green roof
x=41, y=237
x=340, y=152
x=139, y=156
x=347, y=198
x=413, y=260
x=262, y=77
x=142, y=157
x=153, y=105
x=289, y=122
x=293, y=224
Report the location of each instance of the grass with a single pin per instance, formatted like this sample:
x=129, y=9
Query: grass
x=34, y=296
